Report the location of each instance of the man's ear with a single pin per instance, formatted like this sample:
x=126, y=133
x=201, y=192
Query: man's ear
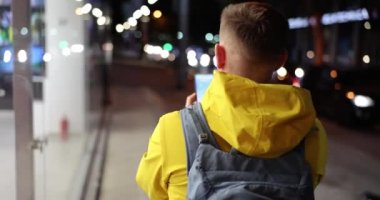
x=220, y=53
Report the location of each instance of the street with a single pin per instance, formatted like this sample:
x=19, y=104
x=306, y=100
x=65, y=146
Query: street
x=353, y=163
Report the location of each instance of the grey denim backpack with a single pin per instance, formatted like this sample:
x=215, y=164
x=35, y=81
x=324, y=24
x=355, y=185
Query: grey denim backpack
x=217, y=175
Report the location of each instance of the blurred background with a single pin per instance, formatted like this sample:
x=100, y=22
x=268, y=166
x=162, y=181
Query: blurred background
x=84, y=82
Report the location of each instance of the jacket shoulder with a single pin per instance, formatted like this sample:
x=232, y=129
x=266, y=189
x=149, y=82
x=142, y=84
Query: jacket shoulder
x=174, y=154
x=171, y=122
x=172, y=137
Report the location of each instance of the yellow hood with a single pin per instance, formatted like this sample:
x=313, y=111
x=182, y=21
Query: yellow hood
x=264, y=120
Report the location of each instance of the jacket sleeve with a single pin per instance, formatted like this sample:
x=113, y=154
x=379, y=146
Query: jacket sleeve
x=316, y=152
x=149, y=175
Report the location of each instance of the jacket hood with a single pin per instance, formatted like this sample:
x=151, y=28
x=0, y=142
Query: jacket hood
x=264, y=120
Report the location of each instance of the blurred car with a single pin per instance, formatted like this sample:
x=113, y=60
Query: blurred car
x=351, y=97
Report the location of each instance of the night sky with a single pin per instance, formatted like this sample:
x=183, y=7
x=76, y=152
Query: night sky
x=203, y=15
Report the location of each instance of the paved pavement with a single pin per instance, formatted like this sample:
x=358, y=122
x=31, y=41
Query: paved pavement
x=139, y=97
x=130, y=131
x=7, y=156
x=352, y=169
x=55, y=168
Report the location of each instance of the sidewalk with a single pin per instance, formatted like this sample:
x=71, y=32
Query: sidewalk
x=55, y=167
x=7, y=156
x=140, y=95
x=135, y=115
x=351, y=169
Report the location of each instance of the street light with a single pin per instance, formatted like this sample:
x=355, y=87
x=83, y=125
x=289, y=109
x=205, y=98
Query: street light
x=168, y=47
x=179, y=35
x=282, y=72
x=209, y=37
x=299, y=72
x=132, y=21
x=78, y=11
x=101, y=21
x=205, y=60
x=151, y=2
x=367, y=25
x=86, y=8
x=137, y=14
x=126, y=25
x=145, y=10
x=119, y=28
x=366, y=59
x=157, y=14
x=96, y=12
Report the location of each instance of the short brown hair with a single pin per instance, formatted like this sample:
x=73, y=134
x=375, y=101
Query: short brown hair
x=260, y=28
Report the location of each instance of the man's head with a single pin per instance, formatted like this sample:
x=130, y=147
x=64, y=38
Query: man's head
x=253, y=40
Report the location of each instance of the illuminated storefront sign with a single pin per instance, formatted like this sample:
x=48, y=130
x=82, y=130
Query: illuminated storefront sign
x=330, y=18
x=299, y=22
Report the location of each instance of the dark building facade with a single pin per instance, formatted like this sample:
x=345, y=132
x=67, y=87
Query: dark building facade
x=343, y=34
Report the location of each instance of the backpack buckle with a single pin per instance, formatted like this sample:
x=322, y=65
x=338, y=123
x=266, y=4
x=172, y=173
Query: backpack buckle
x=203, y=137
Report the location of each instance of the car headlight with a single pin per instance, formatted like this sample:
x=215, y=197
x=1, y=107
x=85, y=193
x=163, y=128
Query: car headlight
x=362, y=101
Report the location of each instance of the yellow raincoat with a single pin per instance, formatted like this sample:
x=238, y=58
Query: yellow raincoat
x=262, y=120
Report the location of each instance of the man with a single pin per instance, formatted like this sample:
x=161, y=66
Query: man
x=242, y=109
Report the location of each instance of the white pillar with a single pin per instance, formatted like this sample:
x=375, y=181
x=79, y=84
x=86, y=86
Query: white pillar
x=65, y=83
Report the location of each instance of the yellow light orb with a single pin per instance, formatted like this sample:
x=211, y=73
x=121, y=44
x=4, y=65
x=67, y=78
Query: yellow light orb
x=157, y=14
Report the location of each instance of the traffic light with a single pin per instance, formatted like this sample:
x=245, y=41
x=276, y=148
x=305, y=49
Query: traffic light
x=167, y=46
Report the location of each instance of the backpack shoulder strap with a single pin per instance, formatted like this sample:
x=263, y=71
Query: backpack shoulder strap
x=196, y=131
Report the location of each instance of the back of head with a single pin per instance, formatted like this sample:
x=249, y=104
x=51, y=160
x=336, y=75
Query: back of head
x=257, y=28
